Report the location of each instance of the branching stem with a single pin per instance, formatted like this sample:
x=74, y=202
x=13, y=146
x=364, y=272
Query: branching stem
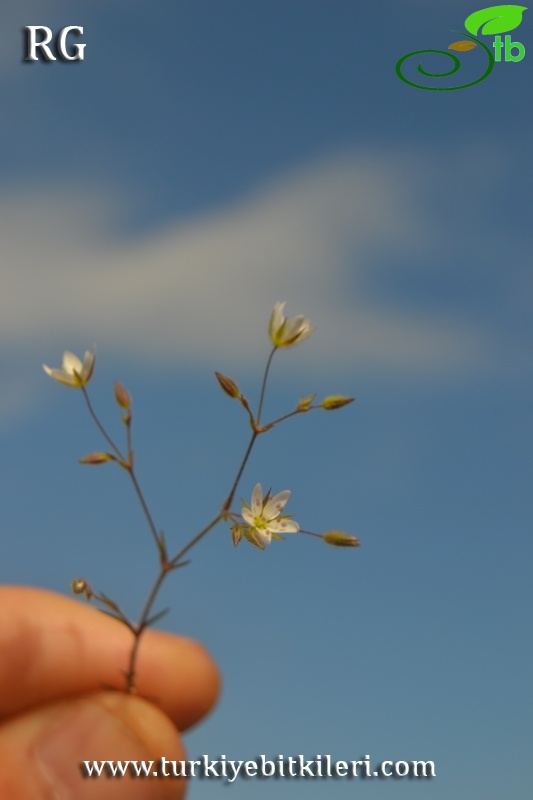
x=166, y=564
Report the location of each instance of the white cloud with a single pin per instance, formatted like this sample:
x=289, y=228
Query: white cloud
x=202, y=290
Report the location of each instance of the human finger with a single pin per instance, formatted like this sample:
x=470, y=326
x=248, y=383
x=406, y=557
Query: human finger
x=43, y=752
x=54, y=647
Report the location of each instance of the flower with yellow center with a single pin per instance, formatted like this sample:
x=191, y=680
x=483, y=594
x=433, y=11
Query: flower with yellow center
x=286, y=332
x=264, y=519
x=73, y=372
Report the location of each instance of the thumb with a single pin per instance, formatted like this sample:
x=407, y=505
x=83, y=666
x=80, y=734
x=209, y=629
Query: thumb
x=42, y=752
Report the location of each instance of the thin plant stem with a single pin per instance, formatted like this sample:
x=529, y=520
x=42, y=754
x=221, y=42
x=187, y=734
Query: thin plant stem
x=166, y=567
x=144, y=506
x=310, y=533
x=255, y=434
x=263, y=385
x=231, y=495
x=128, y=439
x=289, y=415
x=140, y=627
x=99, y=425
x=127, y=464
x=177, y=558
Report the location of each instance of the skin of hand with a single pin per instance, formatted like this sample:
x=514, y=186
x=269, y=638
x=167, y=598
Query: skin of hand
x=59, y=661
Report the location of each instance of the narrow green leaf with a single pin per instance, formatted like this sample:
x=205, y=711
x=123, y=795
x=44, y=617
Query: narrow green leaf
x=162, y=545
x=116, y=616
x=156, y=617
x=181, y=564
x=105, y=600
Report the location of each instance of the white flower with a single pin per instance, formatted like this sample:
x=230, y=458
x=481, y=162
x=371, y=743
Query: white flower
x=285, y=332
x=73, y=372
x=264, y=519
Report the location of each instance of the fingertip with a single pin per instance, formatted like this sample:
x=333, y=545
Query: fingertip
x=186, y=673
x=45, y=753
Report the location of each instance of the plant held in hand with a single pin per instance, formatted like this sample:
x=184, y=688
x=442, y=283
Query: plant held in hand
x=259, y=522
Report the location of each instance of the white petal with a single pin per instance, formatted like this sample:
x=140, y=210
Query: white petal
x=257, y=500
x=71, y=363
x=293, y=326
x=61, y=376
x=277, y=317
x=266, y=536
x=288, y=526
x=88, y=357
x=306, y=331
x=88, y=363
x=276, y=504
x=247, y=516
x=283, y=526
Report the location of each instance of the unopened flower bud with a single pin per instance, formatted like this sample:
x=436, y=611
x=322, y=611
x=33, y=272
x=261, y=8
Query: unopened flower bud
x=340, y=539
x=97, y=458
x=335, y=401
x=122, y=395
x=305, y=403
x=254, y=537
x=227, y=385
x=236, y=533
x=80, y=586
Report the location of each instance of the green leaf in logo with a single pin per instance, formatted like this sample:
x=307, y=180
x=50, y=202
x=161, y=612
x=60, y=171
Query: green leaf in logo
x=496, y=19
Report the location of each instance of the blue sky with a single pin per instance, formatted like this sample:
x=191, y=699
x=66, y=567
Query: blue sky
x=205, y=161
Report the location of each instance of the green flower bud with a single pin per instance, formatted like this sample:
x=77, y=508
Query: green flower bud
x=336, y=401
x=340, y=539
